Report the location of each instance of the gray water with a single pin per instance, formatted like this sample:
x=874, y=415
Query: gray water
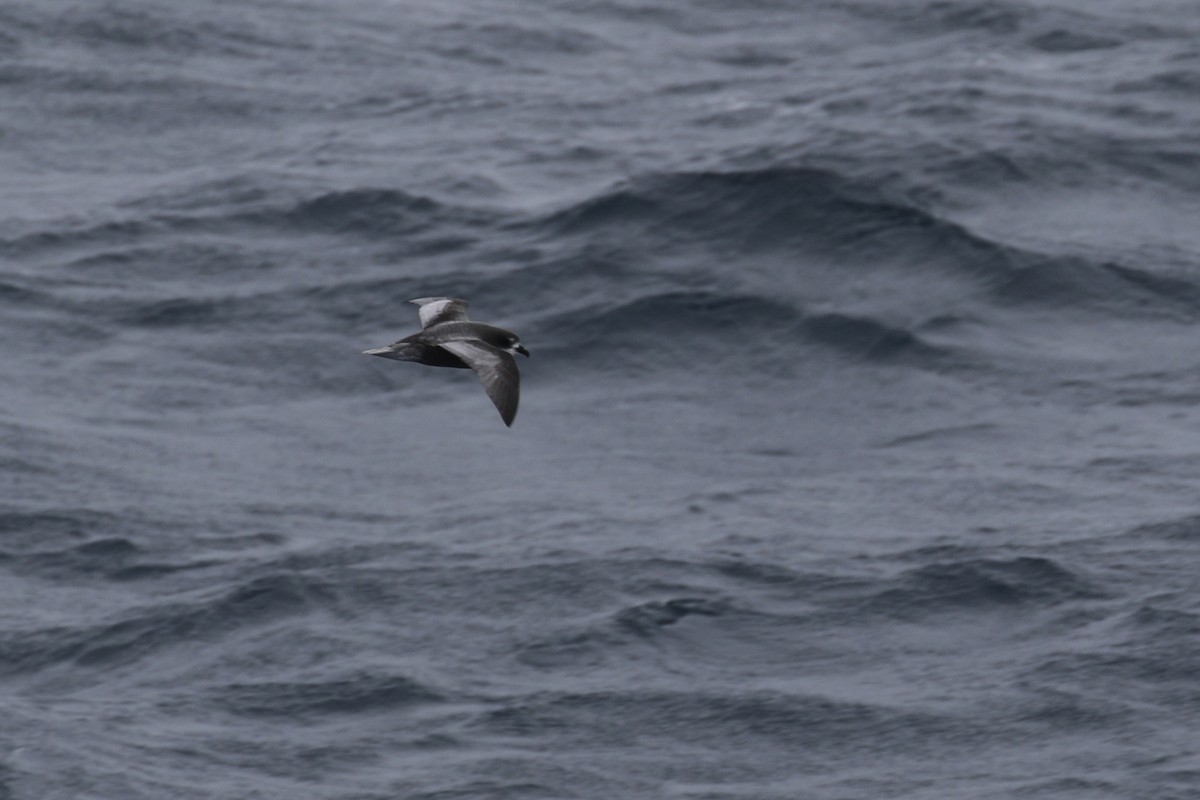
x=857, y=453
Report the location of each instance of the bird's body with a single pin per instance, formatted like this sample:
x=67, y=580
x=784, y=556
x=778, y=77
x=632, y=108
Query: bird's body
x=449, y=339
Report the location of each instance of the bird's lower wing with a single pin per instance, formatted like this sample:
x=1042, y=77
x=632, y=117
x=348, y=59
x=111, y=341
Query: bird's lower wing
x=497, y=370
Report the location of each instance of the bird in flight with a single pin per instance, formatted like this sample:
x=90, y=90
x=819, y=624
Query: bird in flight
x=448, y=339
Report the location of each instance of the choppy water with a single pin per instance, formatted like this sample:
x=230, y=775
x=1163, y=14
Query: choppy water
x=858, y=453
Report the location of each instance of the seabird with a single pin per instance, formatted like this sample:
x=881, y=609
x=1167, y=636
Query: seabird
x=448, y=339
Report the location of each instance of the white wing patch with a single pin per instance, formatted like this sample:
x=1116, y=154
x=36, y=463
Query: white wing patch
x=497, y=371
x=440, y=309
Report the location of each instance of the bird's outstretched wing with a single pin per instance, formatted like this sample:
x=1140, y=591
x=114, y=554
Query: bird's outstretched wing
x=497, y=370
x=440, y=309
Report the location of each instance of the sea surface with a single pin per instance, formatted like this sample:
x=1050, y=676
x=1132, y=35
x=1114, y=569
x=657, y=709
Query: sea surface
x=858, y=453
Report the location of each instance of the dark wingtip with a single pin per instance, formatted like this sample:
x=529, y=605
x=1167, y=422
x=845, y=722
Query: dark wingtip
x=509, y=415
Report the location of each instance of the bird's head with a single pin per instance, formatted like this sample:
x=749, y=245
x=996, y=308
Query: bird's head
x=514, y=345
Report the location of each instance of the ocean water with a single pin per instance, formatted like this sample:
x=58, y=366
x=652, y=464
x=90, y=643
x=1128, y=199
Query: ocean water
x=858, y=451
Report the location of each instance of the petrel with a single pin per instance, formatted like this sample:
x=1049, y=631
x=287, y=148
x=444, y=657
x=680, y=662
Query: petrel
x=448, y=339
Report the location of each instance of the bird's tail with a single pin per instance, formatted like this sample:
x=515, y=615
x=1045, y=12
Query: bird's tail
x=400, y=351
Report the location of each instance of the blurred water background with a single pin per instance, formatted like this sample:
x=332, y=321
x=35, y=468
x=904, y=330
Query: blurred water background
x=858, y=450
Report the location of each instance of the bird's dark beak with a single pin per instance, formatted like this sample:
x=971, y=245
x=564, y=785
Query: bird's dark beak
x=520, y=348
x=385, y=352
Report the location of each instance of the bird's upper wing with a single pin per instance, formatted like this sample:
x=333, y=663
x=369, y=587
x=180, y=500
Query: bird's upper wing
x=497, y=370
x=440, y=309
